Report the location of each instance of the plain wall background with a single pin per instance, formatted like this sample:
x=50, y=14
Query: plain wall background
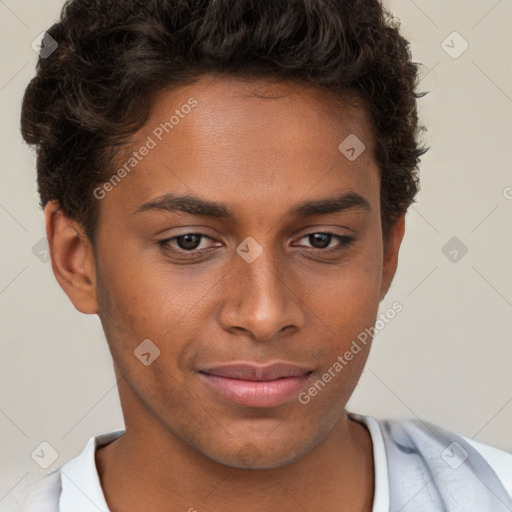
x=445, y=358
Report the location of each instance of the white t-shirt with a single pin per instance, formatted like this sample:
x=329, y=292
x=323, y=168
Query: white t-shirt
x=75, y=487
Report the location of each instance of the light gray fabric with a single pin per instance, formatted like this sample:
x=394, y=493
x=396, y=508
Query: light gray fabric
x=430, y=469
x=35, y=494
x=435, y=470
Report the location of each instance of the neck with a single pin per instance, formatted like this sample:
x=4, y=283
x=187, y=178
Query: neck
x=337, y=475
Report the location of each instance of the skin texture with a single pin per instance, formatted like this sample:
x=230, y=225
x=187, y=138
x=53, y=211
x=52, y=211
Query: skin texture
x=186, y=447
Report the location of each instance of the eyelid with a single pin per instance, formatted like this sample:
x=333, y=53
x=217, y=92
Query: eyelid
x=166, y=241
x=344, y=241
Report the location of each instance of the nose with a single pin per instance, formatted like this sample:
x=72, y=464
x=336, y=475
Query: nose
x=261, y=298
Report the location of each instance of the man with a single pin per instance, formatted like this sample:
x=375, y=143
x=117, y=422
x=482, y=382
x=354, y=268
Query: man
x=225, y=185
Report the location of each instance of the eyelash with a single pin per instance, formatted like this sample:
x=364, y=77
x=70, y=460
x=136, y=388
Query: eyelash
x=345, y=242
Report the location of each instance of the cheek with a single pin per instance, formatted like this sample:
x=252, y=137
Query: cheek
x=143, y=297
x=347, y=311
x=146, y=291
x=349, y=298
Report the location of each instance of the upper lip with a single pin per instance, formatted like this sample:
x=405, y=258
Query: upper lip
x=248, y=371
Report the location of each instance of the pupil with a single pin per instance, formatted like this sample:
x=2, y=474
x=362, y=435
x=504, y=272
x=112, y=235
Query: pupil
x=191, y=241
x=323, y=238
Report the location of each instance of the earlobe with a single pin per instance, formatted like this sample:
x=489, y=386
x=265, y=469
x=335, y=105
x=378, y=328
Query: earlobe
x=72, y=259
x=390, y=254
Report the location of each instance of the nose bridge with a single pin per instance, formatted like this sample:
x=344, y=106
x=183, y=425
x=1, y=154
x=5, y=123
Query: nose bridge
x=259, y=275
x=259, y=298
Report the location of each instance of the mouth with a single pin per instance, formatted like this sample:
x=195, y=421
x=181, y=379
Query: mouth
x=256, y=386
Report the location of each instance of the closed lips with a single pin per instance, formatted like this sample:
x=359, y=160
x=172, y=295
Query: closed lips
x=258, y=373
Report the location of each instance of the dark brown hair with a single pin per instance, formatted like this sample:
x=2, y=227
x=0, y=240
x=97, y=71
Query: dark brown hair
x=96, y=89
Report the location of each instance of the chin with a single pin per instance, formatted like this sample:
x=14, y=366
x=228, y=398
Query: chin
x=264, y=454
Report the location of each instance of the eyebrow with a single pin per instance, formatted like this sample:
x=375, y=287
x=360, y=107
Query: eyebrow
x=205, y=208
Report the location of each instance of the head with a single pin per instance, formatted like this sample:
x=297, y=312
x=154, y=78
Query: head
x=228, y=180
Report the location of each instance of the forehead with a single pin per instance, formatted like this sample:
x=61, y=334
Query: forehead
x=225, y=104
x=251, y=140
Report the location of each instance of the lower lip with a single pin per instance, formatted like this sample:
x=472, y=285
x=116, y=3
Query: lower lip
x=256, y=394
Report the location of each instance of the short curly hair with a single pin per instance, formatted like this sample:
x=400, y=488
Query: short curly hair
x=97, y=87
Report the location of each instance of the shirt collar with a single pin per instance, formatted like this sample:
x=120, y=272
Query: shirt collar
x=381, y=492
x=81, y=488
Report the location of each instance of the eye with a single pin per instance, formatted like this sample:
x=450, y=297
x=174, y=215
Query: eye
x=321, y=241
x=188, y=242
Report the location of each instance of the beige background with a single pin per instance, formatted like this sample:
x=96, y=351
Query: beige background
x=445, y=358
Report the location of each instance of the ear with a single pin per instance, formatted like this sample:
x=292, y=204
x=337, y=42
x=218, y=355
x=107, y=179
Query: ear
x=72, y=259
x=390, y=254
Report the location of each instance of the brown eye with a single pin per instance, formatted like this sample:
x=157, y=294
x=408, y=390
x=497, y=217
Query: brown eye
x=322, y=241
x=187, y=242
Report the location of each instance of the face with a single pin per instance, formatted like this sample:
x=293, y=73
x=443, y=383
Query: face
x=287, y=266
